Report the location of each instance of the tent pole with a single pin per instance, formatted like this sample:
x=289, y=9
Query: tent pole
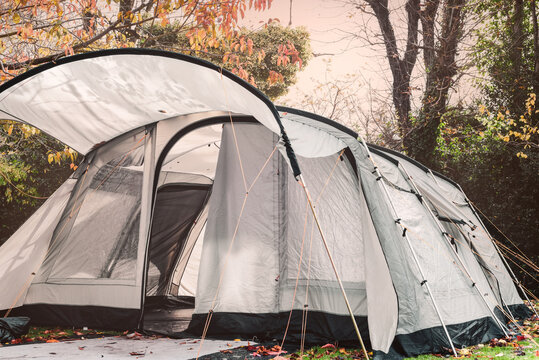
x=515, y=279
x=311, y=204
x=446, y=237
x=146, y=214
x=414, y=255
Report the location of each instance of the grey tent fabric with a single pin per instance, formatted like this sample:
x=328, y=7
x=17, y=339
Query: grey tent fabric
x=178, y=205
x=347, y=232
x=451, y=205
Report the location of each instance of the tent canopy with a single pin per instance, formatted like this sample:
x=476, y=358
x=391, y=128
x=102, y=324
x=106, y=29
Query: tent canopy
x=87, y=99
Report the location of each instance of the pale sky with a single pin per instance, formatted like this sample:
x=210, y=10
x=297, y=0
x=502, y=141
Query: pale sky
x=330, y=23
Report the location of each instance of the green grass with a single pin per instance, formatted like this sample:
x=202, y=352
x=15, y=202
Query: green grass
x=511, y=351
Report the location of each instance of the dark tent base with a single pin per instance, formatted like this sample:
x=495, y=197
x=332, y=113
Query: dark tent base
x=95, y=317
x=434, y=340
x=520, y=311
x=322, y=327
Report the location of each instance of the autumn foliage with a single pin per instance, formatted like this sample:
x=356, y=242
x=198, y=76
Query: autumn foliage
x=34, y=32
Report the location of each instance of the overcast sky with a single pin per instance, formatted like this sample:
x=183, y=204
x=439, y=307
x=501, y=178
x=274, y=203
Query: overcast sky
x=329, y=24
x=349, y=36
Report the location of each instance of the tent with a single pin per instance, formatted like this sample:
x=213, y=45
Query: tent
x=186, y=213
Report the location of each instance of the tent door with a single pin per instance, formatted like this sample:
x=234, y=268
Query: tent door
x=179, y=216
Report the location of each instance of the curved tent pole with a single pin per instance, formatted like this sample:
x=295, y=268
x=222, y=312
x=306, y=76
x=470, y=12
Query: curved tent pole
x=448, y=239
x=146, y=210
x=515, y=279
x=414, y=255
x=301, y=180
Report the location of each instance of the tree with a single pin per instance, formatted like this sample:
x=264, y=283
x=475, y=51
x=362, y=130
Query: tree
x=439, y=25
x=507, y=55
x=39, y=31
x=26, y=177
x=275, y=53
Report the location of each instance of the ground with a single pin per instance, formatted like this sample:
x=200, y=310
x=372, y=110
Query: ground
x=56, y=343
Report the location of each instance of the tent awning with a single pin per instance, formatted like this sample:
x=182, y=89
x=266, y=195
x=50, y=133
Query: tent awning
x=90, y=98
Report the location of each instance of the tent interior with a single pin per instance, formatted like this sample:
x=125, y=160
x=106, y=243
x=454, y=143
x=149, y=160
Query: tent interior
x=177, y=232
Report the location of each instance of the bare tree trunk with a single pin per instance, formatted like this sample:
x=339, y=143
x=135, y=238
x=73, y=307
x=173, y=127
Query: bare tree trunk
x=441, y=68
x=401, y=69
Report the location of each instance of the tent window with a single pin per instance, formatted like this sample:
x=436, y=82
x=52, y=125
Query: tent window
x=100, y=241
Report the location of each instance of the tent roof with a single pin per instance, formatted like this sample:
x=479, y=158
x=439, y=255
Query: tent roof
x=90, y=98
x=385, y=152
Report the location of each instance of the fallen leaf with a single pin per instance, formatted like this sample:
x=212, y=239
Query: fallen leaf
x=52, y=341
x=328, y=346
x=226, y=351
x=81, y=347
x=137, y=353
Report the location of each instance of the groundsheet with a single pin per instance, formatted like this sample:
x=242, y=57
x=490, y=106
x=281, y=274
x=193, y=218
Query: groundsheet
x=121, y=348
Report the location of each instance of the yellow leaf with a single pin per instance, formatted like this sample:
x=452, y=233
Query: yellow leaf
x=51, y=158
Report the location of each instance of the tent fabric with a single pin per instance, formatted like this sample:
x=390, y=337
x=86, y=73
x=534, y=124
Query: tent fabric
x=133, y=87
x=23, y=253
x=451, y=203
x=347, y=229
x=184, y=201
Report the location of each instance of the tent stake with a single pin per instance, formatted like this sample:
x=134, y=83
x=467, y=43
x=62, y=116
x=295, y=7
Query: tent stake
x=309, y=199
x=414, y=255
x=446, y=237
x=530, y=304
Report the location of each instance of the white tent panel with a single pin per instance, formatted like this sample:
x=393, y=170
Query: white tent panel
x=23, y=253
x=309, y=141
x=188, y=282
x=245, y=275
x=85, y=102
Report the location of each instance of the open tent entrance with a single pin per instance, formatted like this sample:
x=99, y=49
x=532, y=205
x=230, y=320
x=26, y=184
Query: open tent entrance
x=198, y=215
x=180, y=212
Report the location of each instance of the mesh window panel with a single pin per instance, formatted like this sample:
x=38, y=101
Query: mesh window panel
x=100, y=240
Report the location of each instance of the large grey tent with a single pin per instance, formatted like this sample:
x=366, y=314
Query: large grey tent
x=186, y=203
